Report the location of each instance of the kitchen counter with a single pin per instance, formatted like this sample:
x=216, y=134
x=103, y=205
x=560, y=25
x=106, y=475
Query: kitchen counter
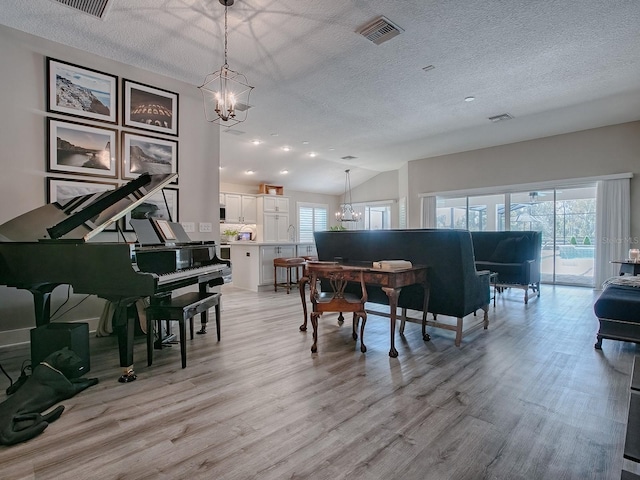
x=253, y=242
x=252, y=262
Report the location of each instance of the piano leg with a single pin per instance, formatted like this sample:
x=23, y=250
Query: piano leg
x=203, y=316
x=125, y=329
x=42, y=303
x=202, y=287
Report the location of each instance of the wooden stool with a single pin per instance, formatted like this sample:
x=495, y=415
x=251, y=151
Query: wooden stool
x=180, y=309
x=295, y=263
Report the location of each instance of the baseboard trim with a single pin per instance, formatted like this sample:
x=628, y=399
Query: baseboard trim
x=22, y=336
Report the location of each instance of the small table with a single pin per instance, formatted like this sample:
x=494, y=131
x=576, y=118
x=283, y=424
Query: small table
x=390, y=281
x=628, y=267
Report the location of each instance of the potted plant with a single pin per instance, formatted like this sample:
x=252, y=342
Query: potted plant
x=229, y=234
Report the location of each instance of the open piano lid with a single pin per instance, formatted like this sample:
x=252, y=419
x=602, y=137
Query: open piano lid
x=82, y=218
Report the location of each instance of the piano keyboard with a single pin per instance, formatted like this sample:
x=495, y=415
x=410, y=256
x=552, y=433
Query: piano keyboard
x=189, y=272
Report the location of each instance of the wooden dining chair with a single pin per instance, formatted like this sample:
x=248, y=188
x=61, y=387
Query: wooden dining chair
x=335, y=299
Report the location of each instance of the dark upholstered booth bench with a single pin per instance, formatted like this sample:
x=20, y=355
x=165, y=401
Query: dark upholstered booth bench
x=456, y=288
x=618, y=311
x=514, y=256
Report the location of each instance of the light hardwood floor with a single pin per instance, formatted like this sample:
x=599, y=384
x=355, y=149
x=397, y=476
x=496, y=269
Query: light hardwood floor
x=527, y=399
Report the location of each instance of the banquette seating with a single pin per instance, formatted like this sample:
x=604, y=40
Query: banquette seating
x=456, y=288
x=513, y=255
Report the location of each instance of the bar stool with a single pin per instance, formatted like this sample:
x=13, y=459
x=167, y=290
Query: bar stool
x=294, y=263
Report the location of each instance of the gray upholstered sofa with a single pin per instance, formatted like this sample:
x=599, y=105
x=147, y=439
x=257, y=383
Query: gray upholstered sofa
x=618, y=310
x=456, y=288
x=514, y=256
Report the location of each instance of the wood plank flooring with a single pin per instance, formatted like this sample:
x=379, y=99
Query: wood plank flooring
x=529, y=398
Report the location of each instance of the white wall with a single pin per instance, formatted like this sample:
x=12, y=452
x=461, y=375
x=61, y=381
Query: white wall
x=23, y=155
x=383, y=186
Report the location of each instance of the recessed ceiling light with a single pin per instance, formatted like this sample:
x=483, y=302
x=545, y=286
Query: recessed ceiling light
x=469, y=99
x=331, y=149
x=286, y=148
x=306, y=142
x=284, y=172
x=249, y=172
x=312, y=154
x=256, y=142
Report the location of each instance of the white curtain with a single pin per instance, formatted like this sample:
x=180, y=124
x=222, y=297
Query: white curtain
x=429, y=212
x=613, y=214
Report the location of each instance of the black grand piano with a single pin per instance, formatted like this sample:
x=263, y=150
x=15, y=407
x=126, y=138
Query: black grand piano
x=56, y=245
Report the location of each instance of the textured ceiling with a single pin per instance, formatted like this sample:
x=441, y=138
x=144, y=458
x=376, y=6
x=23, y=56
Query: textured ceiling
x=557, y=66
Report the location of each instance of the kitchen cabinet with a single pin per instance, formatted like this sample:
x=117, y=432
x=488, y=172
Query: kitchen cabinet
x=275, y=203
x=240, y=208
x=267, y=254
x=252, y=264
x=273, y=219
x=274, y=227
x=306, y=250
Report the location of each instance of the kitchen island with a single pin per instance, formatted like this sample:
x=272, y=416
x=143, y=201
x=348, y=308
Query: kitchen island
x=252, y=262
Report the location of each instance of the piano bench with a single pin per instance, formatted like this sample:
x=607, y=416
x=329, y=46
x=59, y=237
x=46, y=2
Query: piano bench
x=295, y=263
x=181, y=309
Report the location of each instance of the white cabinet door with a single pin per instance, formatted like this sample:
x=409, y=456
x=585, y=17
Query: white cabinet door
x=240, y=208
x=307, y=250
x=233, y=204
x=249, y=209
x=275, y=227
x=267, y=254
x=275, y=203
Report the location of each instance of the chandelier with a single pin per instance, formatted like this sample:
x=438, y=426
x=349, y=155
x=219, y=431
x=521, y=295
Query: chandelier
x=226, y=92
x=347, y=213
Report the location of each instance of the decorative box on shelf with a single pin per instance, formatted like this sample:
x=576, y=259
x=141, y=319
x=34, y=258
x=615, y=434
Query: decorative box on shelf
x=271, y=189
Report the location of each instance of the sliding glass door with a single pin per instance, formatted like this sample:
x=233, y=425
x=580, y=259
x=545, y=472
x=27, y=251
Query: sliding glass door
x=574, y=248
x=565, y=216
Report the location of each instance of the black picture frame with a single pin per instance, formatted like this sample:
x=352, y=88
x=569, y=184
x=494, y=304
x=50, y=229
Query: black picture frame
x=143, y=153
x=78, y=148
x=62, y=189
x=81, y=91
x=149, y=108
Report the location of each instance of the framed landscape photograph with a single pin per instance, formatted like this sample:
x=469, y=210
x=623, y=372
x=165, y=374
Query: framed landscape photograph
x=81, y=149
x=81, y=92
x=155, y=207
x=142, y=154
x=62, y=190
x=149, y=108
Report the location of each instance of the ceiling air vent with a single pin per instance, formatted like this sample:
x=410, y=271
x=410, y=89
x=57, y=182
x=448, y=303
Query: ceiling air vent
x=234, y=132
x=95, y=8
x=380, y=30
x=241, y=107
x=348, y=157
x=501, y=117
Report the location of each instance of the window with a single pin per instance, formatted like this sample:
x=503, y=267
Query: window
x=377, y=217
x=311, y=218
x=565, y=215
